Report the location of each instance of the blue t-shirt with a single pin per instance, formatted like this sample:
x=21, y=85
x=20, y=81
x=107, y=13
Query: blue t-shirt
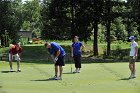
x=76, y=48
x=56, y=47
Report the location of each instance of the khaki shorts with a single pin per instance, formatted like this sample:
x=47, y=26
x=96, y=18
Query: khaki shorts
x=16, y=57
x=132, y=60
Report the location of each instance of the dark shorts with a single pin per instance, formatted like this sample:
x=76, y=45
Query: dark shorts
x=132, y=60
x=77, y=61
x=60, y=61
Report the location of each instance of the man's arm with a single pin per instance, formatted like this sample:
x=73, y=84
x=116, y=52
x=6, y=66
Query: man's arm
x=82, y=47
x=52, y=56
x=54, y=59
x=72, y=51
x=136, y=51
x=57, y=54
x=19, y=55
x=10, y=52
x=19, y=52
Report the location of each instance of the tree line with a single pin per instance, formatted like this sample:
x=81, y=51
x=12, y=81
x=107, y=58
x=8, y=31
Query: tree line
x=105, y=20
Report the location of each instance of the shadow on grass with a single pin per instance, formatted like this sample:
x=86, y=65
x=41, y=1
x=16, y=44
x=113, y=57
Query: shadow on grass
x=69, y=73
x=7, y=71
x=49, y=79
x=125, y=79
x=0, y=86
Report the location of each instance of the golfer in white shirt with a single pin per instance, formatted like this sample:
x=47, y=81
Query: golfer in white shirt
x=133, y=56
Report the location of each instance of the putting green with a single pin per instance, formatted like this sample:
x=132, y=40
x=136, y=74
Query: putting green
x=94, y=78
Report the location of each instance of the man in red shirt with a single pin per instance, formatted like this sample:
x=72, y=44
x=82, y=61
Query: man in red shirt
x=15, y=52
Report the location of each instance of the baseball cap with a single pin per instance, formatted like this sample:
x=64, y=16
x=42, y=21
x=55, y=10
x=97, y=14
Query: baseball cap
x=18, y=44
x=76, y=37
x=131, y=37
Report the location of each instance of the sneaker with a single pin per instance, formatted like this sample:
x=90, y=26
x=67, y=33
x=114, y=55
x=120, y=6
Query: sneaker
x=18, y=70
x=133, y=76
x=58, y=78
x=78, y=71
x=11, y=70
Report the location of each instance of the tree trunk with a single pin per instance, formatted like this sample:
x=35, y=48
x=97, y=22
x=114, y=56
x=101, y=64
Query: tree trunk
x=108, y=27
x=2, y=40
x=128, y=27
x=108, y=37
x=95, y=43
x=72, y=19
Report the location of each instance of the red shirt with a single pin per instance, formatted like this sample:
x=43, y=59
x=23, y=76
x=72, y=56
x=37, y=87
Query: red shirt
x=14, y=50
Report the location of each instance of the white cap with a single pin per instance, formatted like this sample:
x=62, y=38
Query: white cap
x=131, y=37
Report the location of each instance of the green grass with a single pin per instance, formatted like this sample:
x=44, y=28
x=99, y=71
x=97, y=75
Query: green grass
x=94, y=78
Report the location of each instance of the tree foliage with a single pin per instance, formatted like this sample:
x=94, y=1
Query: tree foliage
x=106, y=20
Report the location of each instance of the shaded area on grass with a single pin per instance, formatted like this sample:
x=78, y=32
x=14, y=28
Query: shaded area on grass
x=49, y=79
x=7, y=71
x=69, y=73
x=125, y=79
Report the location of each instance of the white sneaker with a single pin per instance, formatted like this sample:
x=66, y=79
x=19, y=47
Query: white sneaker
x=58, y=78
x=133, y=76
x=11, y=70
x=18, y=70
x=78, y=71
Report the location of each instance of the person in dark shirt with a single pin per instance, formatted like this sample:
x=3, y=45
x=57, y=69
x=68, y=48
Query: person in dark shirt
x=76, y=53
x=15, y=52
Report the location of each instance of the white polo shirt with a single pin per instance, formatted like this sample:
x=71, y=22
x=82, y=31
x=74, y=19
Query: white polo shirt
x=132, y=51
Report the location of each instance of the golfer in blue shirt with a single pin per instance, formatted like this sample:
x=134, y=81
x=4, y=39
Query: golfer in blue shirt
x=76, y=53
x=57, y=54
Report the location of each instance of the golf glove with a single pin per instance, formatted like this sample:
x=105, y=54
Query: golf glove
x=56, y=59
x=133, y=57
x=71, y=55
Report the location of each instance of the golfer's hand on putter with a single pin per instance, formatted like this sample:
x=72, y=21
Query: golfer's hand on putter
x=56, y=58
x=133, y=57
x=71, y=55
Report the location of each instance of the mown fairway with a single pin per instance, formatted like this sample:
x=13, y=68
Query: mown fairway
x=94, y=78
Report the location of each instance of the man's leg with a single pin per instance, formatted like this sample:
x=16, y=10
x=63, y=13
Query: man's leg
x=10, y=62
x=60, y=63
x=18, y=66
x=76, y=64
x=18, y=62
x=132, y=68
x=61, y=71
x=56, y=70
